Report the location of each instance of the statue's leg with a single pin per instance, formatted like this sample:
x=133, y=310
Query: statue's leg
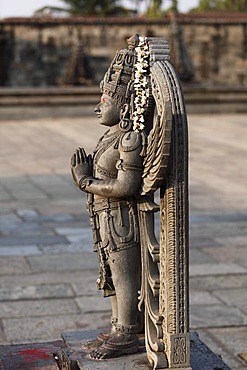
x=125, y=269
x=114, y=318
x=102, y=337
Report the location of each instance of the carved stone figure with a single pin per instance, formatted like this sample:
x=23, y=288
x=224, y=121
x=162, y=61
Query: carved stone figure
x=143, y=151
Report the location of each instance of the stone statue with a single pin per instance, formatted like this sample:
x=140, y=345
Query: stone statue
x=143, y=151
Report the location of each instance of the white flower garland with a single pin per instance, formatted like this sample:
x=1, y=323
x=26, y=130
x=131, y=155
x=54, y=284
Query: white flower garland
x=141, y=84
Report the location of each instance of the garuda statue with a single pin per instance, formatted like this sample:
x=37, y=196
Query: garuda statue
x=143, y=152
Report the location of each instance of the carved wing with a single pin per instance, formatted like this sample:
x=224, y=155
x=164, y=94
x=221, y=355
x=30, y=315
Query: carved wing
x=168, y=103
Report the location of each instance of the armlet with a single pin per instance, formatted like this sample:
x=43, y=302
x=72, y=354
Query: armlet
x=124, y=166
x=130, y=141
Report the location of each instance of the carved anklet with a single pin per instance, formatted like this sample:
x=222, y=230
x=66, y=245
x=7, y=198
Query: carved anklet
x=126, y=329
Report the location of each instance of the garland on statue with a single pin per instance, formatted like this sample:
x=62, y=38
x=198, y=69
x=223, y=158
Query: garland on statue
x=141, y=89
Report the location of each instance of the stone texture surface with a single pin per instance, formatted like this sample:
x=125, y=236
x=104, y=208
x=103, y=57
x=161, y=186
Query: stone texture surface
x=40, y=307
x=219, y=348
x=201, y=356
x=216, y=316
x=94, y=303
x=36, y=292
x=47, y=327
x=65, y=262
x=29, y=357
x=48, y=270
x=13, y=265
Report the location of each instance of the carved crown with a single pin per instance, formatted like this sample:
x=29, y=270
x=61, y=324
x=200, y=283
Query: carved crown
x=118, y=78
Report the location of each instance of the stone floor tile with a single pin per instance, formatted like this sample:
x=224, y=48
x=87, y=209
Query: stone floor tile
x=36, y=292
x=202, y=298
x=13, y=265
x=216, y=269
x=87, y=286
x=65, y=262
x=32, y=240
x=28, y=229
x=56, y=218
x=5, y=211
x=216, y=316
x=28, y=250
x=9, y=218
x=197, y=256
x=22, y=189
x=71, y=206
x=233, y=297
x=219, y=348
x=54, y=186
x=70, y=231
x=86, y=233
x=77, y=222
x=38, y=308
x=27, y=213
x=218, y=282
x=233, y=339
x=95, y=303
x=243, y=263
x=4, y=194
x=216, y=217
x=85, y=242
x=80, y=279
x=235, y=254
x=9, y=223
x=37, y=329
x=200, y=241
x=63, y=249
x=237, y=240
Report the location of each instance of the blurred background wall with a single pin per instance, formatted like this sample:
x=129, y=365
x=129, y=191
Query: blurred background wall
x=206, y=48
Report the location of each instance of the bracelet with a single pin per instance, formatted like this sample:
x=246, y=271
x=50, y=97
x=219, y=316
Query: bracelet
x=84, y=181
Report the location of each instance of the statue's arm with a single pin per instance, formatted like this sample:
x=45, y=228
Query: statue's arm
x=128, y=179
x=81, y=166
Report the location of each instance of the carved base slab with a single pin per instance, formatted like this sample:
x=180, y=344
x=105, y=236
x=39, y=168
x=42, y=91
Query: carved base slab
x=74, y=358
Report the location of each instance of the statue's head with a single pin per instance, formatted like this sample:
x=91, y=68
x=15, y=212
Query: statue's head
x=117, y=84
x=107, y=111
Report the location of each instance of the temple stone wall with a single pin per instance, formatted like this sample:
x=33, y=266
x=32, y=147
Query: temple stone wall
x=64, y=51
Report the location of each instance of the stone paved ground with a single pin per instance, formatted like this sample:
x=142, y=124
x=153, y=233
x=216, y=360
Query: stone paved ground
x=47, y=268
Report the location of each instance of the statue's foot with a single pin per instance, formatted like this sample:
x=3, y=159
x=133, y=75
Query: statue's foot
x=102, y=337
x=117, y=345
x=96, y=342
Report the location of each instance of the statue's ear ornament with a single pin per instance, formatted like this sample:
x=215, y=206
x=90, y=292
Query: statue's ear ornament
x=125, y=123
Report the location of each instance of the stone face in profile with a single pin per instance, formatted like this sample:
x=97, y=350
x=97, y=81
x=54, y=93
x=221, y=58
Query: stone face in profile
x=144, y=150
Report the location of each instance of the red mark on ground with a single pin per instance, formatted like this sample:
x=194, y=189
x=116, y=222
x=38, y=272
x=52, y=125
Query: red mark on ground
x=34, y=354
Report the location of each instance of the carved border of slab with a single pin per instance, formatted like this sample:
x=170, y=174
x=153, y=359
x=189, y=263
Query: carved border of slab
x=167, y=271
x=174, y=232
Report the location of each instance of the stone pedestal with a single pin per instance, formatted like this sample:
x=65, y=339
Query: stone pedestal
x=74, y=358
